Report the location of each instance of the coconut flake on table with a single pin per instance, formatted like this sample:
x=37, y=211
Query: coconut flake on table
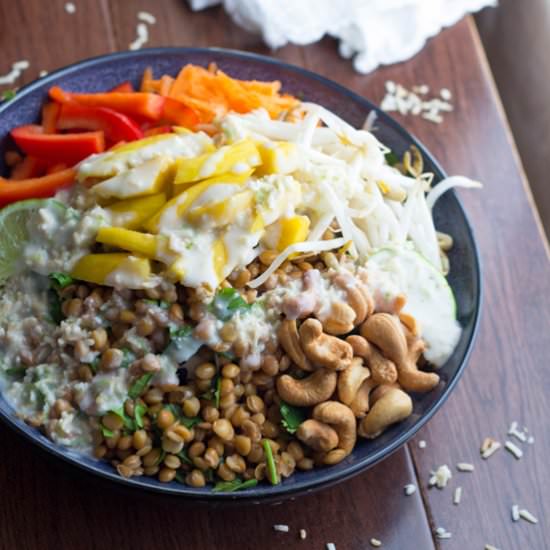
x=16, y=70
x=147, y=17
x=142, y=37
x=70, y=8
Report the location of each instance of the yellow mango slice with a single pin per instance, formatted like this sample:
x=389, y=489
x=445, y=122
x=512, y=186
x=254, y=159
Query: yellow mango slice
x=236, y=159
x=131, y=213
x=154, y=247
x=278, y=157
x=293, y=230
x=173, y=212
x=146, y=179
x=117, y=269
x=219, y=258
x=222, y=212
x=258, y=224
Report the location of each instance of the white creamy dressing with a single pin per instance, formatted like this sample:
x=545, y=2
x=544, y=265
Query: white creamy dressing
x=395, y=271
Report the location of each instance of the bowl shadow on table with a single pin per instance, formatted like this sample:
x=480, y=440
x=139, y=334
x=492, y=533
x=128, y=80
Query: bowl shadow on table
x=87, y=508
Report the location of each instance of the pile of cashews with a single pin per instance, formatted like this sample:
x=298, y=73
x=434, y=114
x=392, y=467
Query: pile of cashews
x=360, y=366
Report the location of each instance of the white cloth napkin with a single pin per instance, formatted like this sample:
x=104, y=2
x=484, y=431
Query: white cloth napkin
x=372, y=32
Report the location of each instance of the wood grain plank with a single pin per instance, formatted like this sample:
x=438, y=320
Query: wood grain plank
x=44, y=505
x=49, y=37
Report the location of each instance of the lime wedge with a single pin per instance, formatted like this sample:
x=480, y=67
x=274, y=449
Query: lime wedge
x=14, y=232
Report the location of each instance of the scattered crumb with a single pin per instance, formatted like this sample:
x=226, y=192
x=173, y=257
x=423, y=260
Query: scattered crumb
x=457, y=497
x=490, y=547
x=142, y=37
x=421, y=444
x=515, y=512
x=303, y=534
x=368, y=125
x=442, y=533
x=527, y=516
x=16, y=69
x=147, y=17
x=440, y=477
x=375, y=542
x=330, y=546
x=514, y=449
x=70, y=8
x=42, y=73
x=410, y=489
x=489, y=446
x=407, y=102
x=465, y=467
x=281, y=527
x=530, y=440
x=513, y=431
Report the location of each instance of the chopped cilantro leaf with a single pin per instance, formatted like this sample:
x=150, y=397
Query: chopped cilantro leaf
x=236, y=485
x=128, y=358
x=139, y=386
x=291, y=417
x=226, y=303
x=391, y=158
x=272, y=474
x=184, y=457
x=180, y=478
x=106, y=432
x=16, y=371
x=54, y=307
x=61, y=280
x=139, y=411
x=6, y=95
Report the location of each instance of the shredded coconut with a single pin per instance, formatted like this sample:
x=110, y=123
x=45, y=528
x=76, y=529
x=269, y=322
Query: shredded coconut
x=440, y=477
x=530, y=440
x=410, y=489
x=303, y=534
x=442, y=533
x=514, y=449
x=490, y=547
x=457, y=497
x=489, y=446
x=406, y=102
x=465, y=467
x=515, y=512
x=330, y=546
x=375, y=542
x=281, y=527
x=513, y=431
x=16, y=69
x=42, y=73
x=147, y=17
x=142, y=37
x=421, y=444
x=70, y=8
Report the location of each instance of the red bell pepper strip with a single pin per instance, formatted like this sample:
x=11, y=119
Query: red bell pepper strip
x=56, y=168
x=116, y=127
x=29, y=167
x=138, y=105
x=123, y=88
x=177, y=113
x=46, y=186
x=67, y=148
x=50, y=112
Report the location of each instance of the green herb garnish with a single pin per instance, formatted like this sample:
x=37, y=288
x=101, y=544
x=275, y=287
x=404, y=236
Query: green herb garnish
x=94, y=365
x=139, y=386
x=139, y=411
x=291, y=417
x=184, y=457
x=159, y=303
x=190, y=422
x=180, y=478
x=6, y=95
x=16, y=371
x=129, y=423
x=161, y=457
x=226, y=303
x=272, y=474
x=128, y=358
x=391, y=158
x=177, y=411
x=106, y=432
x=54, y=307
x=236, y=485
x=61, y=280
x=209, y=475
x=213, y=394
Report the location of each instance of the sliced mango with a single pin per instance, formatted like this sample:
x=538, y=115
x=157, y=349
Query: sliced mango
x=172, y=214
x=258, y=224
x=237, y=158
x=131, y=213
x=117, y=269
x=146, y=179
x=219, y=258
x=293, y=230
x=222, y=212
x=278, y=157
x=154, y=247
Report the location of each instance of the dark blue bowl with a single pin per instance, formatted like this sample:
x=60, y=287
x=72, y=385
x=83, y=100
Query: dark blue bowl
x=103, y=73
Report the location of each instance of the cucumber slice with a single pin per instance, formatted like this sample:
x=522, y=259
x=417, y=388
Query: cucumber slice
x=430, y=299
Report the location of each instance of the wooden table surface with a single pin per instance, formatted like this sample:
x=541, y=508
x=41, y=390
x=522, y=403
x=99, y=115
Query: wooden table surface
x=42, y=506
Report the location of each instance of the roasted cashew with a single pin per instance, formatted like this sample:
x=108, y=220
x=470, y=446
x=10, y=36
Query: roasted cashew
x=350, y=380
x=394, y=406
x=385, y=331
x=358, y=296
x=290, y=342
x=317, y=435
x=410, y=323
x=360, y=345
x=361, y=403
x=383, y=370
x=322, y=349
x=340, y=319
x=342, y=419
x=380, y=390
x=309, y=391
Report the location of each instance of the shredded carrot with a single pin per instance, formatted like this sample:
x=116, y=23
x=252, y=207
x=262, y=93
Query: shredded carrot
x=212, y=93
x=165, y=85
x=147, y=80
